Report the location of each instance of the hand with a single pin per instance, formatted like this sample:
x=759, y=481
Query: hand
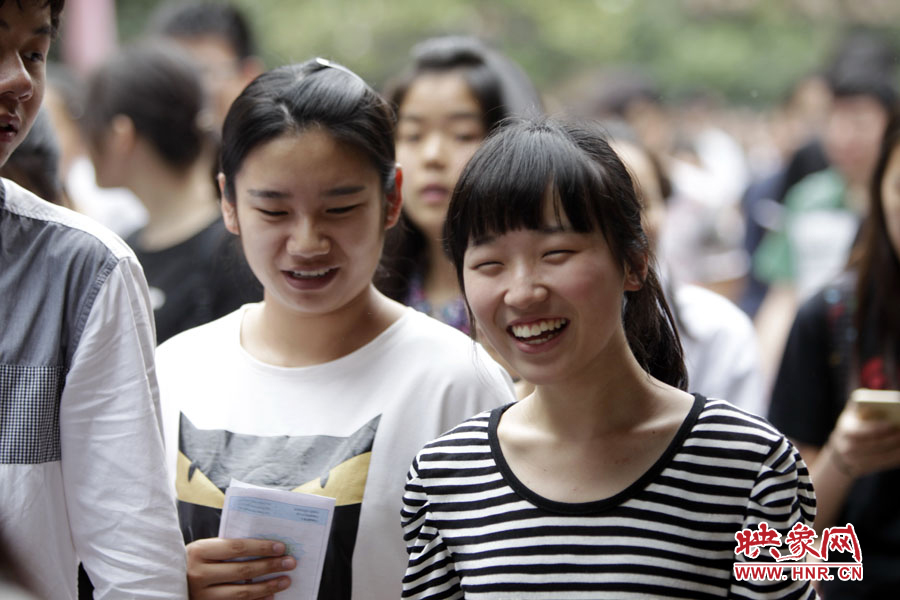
x=862, y=446
x=210, y=578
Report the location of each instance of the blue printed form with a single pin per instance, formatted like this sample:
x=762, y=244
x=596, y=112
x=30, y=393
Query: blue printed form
x=302, y=522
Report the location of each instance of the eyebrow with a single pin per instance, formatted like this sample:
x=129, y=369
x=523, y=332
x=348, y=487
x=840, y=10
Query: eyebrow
x=458, y=116
x=545, y=229
x=343, y=190
x=42, y=30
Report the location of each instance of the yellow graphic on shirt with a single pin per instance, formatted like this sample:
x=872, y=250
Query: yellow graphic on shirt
x=345, y=483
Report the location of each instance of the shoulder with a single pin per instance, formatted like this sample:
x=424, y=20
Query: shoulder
x=722, y=421
x=822, y=189
x=707, y=313
x=200, y=342
x=468, y=437
x=45, y=224
x=454, y=351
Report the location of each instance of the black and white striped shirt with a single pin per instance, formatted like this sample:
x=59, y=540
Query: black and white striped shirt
x=475, y=531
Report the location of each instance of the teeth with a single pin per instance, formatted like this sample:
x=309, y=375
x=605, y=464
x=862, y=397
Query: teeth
x=526, y=331
x=318, y=273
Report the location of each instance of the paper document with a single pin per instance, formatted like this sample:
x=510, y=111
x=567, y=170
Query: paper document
x=302, y=522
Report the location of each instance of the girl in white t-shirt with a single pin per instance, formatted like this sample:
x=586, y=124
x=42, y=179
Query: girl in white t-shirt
x=327, y=386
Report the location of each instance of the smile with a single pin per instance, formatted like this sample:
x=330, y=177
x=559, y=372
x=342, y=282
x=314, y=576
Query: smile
x=311, y=274
x=538, y=332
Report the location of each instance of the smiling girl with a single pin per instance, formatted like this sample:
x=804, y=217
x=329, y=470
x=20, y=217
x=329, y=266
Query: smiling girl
x=608, y=481
x=327, y=386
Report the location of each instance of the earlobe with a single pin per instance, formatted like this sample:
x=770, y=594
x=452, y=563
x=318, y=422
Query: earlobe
x=394, y=200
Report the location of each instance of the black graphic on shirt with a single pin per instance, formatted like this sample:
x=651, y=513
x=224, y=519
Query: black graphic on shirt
x=331, y=466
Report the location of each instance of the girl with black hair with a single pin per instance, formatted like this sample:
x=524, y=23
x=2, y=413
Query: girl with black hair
x=847, y=336
x=456, y=92
x=327, y=386
x=608, y=481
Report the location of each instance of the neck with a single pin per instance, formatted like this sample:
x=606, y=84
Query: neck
x=279, y=336
x=179, y=204
x=614, y=397
x=441, y=284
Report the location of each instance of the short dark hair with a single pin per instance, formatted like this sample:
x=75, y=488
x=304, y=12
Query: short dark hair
x=504, y=187
x=158, y=87
x=56, y=8
x=198, y=19
x=295, y=98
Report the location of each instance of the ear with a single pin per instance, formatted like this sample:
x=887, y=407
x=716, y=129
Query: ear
x=634, y=277
x=122, y=134
x=229, y=210
x=394, y=200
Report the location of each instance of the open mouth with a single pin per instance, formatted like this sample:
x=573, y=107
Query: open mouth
x=7, y=128
x=538, y=332
x=311, y=275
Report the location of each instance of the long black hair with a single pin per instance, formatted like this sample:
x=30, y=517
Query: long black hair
x=875, y=257
x=501, y=89
x=504, y=187
x=295, y=98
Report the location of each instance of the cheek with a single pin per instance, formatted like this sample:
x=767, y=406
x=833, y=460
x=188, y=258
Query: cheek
x=480, y=294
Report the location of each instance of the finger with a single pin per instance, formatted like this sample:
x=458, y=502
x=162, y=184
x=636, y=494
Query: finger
x=245, y=591
x=214, y=573
x=229, y=548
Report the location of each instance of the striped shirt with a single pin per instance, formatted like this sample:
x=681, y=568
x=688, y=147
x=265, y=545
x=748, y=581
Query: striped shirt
x=475, y=531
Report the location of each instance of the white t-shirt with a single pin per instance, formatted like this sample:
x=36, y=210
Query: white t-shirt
x=720, y=348
x=348, y=429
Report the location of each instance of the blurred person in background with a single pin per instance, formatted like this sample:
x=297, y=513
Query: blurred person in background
x=701, y=240
x=116, y=208
x=457, y=91
x=219, y=38
x=822, y=213
x=719, y=342
x=150, y=132
x=847, y=336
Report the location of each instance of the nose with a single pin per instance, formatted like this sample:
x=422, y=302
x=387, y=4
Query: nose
x=525, y=290
x=307, y=241
x=15, y=80
x=433, y=148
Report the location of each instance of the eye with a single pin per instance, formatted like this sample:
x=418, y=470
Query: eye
x=341, y=210
x=558, y=254
x=272, y=213
x=35, y=57
x=468, y=137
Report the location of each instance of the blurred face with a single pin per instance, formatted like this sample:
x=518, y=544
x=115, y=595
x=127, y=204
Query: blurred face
x=647, y=184
x=890, y=197
x=549, y=301
x=311, y=215
x=24, y=43
x=440, y=126
x=853, y=136
x=224, y=74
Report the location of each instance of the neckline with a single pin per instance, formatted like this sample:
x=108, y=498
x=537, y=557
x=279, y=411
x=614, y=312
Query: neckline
x=340, y=364
x=593, y=506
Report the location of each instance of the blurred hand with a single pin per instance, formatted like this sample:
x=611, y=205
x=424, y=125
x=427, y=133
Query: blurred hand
x=864, y=446
x=210, y=578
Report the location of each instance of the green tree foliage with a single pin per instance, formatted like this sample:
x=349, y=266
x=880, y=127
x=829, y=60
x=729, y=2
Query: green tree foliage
x=748, y=51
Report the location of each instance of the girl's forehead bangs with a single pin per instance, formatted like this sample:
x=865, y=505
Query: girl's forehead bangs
x=506, y=186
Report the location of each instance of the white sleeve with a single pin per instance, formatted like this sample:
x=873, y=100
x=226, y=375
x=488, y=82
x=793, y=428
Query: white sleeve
x=121, y=509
